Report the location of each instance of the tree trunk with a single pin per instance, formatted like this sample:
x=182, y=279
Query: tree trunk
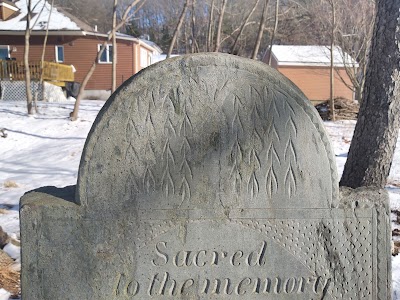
x=375, y=136
x=114, y=48
x=243, y=26
x=178, y=27
x=274, y=32
x=128, y=12
x=332, y=74
x=195, y=45
x=260, y=31
x=41, y=81
x=219, y=28
x=29, y=96
x=210, y=26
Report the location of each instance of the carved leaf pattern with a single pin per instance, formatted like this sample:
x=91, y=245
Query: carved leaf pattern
x=149, y=119
x=290, y=181
x=185, y=131
x=290, y=152
x=237, y=125
x=236, y=158
x=131, y=153
x=184, y=190
x=252, y=186
x=131, y=185
x=149, y=182
x=167, y=182
x=131, y=130
x=271, y=182
x=169, y=128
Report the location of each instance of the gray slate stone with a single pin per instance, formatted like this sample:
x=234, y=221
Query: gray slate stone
x=206, y=177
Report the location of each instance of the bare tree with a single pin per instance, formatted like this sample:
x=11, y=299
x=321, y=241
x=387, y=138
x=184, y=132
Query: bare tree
x=29, y=96
x=41, y=81
x=260, y=30
x=127, y=14
x=332, y=4
x=178, y=27
x=114, y=48
x=242, y=27
x=219, y=28
x=375, y=136
x=28, y=31
x=210, y=27
x=353, y=36
x=273, y=32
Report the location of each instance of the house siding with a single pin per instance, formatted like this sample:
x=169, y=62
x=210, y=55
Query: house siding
x=315, y=82
x=80, y=52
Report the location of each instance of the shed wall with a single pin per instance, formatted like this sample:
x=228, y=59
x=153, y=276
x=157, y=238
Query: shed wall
x=315, y=82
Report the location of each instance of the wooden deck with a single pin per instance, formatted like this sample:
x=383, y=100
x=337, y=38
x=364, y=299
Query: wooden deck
x=54, y=73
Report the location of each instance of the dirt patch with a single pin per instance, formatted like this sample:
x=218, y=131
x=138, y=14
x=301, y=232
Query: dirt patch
x=345, y=109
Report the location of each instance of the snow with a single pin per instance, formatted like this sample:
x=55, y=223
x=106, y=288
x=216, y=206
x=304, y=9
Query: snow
x=310, y=56
x=4, y=295
x=41, y=8
x=45, y=149
x=13, y=251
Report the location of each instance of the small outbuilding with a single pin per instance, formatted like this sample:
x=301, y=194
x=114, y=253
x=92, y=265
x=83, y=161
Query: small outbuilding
x=309, y=68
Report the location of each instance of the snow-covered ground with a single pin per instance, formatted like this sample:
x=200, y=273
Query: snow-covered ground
x=45, y=149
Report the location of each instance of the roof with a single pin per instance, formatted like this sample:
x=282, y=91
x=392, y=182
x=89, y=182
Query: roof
x=61, y=23
x=310, y=56
x=41, y=10
x=151, y=44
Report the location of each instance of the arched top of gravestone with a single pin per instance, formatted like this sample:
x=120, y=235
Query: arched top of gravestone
x=207, y=133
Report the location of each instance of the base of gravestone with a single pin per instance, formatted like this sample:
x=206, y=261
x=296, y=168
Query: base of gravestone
x=353, y=246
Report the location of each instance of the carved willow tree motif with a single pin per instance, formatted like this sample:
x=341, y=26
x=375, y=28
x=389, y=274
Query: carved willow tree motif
x=257, y=151
x=281, y=150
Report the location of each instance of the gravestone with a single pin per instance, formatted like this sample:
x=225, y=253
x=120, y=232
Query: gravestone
x=206, y=177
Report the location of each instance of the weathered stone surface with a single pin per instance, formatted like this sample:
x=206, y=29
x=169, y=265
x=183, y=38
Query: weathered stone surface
x=206, y=177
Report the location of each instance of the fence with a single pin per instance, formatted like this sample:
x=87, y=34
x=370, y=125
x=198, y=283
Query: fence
x=52, y=72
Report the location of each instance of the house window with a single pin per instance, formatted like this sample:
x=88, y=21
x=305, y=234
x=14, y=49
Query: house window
x=4, y=52
x=59, y=53
x=106, y=56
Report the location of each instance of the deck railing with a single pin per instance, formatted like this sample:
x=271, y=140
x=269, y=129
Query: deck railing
x=52, y=72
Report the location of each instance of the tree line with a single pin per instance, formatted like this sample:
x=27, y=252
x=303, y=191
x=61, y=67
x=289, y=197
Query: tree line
x=244, y=28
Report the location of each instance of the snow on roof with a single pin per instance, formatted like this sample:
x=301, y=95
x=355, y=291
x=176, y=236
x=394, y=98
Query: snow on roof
x=41, y=10
x=310, y=56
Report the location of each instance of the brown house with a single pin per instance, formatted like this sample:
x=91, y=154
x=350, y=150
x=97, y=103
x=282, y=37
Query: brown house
x=309, y=68
x=70, y=42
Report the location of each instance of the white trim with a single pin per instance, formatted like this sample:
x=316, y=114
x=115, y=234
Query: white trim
x=125, y=38
x=8, y=49
x=107, y=51
x=9, y=6
x=57, y=58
